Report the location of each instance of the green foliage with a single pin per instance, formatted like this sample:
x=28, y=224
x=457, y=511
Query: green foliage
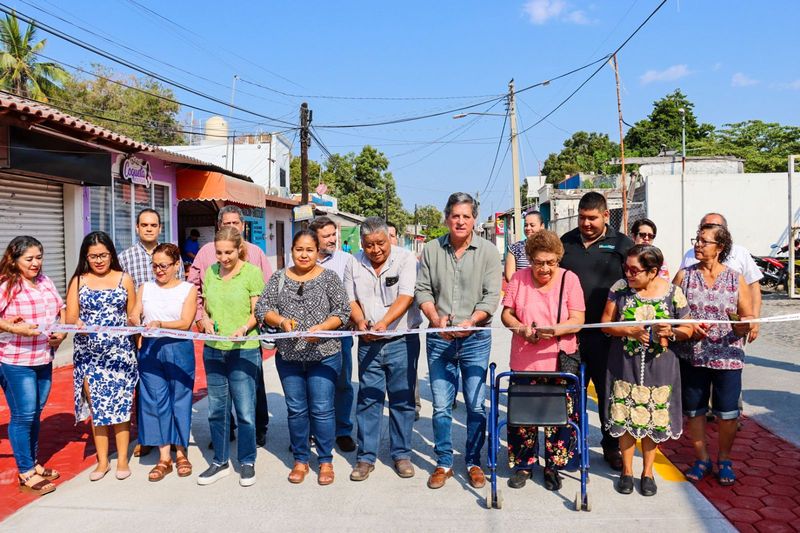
x=583, y=152
x=662, y=129
x=764, y=146
x=314, y=176
x=144, y=117
x=20, y=70
x=360, y=182
x=432, y=220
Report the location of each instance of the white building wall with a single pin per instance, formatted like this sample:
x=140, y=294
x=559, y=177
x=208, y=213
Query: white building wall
x=274, y=214
x=755, y=205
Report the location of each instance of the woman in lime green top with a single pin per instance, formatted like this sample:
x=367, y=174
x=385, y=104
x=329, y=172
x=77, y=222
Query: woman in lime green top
x=231, y=288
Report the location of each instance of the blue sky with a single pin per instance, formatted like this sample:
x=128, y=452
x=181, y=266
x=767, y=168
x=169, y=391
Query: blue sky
x=735, y=59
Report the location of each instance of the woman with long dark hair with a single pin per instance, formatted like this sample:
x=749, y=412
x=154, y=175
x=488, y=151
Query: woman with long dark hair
x=105, y=375
x=29, y=302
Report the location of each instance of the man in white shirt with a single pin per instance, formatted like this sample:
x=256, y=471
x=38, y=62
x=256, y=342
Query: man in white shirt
x=380, y=287
x=739, y=260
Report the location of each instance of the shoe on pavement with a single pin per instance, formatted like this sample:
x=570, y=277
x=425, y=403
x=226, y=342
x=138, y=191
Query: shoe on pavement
x=614, y=459
x=298, y=473
x=361, y=471
x=247, y=475
x=325, y=476
x=648, y=486
x=476, y=477
x=346, y=443
x=439, y=477
x=214, y=473
x=140, y=450
x=552, y=479
x=404, y=468
x=624, y=485
x=519, y=478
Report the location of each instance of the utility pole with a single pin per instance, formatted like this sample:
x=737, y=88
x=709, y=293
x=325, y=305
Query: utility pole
x=624, y=228
x=386, y=202
x=305, y=141
x=512, y=111
x=416, y=229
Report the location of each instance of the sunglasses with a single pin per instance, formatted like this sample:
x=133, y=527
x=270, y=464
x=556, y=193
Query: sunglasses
x=540, y=264
x=646, y=236
x=300, y=288
x=632, y=271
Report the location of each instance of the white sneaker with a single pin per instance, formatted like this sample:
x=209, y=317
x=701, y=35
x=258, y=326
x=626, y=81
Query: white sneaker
x=214, y=473
x=247, y=475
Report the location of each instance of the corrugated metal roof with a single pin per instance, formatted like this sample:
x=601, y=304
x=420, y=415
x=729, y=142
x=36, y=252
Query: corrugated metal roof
x=32, y=108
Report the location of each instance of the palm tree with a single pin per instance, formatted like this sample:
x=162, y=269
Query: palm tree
x=20, y=70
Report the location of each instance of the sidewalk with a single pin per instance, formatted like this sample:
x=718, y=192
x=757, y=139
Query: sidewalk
x=384, y=502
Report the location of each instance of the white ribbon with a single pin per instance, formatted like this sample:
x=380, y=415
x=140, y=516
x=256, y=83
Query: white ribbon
x=191, y=335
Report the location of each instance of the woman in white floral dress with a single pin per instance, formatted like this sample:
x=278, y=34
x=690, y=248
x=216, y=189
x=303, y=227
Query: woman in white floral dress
x=644, y=399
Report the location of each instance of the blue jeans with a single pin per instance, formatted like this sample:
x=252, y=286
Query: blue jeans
x=27, y=389
x=231, y=377
x=309, y=389
x=344, y=391
x=386, y=368
x=470, y=356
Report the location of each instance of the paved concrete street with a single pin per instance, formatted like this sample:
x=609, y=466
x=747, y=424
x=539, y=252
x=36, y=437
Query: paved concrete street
x=383, y=502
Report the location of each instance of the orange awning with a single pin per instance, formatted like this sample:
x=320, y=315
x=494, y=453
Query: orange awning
x=209, y=185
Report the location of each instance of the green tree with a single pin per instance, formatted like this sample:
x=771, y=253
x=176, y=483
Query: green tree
x=662, y=129
x=583, y=152
x=764, y=146
x=315, y=175
x=360, y=182
x=142, y=112
x=20, y=70
x=432, y=220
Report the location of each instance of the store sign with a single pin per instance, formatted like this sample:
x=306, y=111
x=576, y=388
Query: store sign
x=303, y=212
x=499, y=224
x=136, y=171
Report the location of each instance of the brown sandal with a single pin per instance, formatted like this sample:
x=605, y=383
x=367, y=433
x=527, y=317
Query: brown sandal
x=40, y=489
x=183, y=466
x=160, y=471
x=48, y=473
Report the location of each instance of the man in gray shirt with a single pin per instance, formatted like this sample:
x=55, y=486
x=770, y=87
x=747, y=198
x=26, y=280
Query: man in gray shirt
x=459, y=284
x=380, y=287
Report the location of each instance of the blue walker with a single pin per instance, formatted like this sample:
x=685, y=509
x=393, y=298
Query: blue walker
x=541, y=404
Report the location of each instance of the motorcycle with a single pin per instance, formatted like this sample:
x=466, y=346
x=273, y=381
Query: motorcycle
x=775, y=270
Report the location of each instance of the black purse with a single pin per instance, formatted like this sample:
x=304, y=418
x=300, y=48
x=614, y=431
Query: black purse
x=567, y=362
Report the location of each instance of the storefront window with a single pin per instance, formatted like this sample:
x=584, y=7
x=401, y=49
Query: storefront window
x=121, y=226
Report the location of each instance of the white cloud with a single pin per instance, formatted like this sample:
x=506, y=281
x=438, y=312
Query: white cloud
x=716, y=66
x=742, y=80
x=792, y=85
x=542, y=11
x=675, y=72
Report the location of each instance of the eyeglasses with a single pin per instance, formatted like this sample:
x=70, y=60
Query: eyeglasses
x=300, y=288
x=646, y=236
x=633, y=272
x=540, y=264
x=701, y=243
x=163, y=266
x=98, y=257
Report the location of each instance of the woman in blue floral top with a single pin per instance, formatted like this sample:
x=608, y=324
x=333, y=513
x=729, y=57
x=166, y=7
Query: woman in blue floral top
x=712, y=368
x=644, y=399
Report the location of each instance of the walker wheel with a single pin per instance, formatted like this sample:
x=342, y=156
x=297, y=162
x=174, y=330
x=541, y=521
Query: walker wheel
x=577, y=501
x=489, y=501
x=499, y=503
x=588, y=505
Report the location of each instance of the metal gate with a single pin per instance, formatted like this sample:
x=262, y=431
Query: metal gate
x=35, y=207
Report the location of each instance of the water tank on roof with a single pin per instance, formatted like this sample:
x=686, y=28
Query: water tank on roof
x=216, y=130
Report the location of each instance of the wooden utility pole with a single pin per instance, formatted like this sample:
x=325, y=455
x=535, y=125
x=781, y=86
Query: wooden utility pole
x=624, y=228
x=305, y=141
x=512, y=112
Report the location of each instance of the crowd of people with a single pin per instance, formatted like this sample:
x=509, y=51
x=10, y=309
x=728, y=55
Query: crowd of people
x=647, y=378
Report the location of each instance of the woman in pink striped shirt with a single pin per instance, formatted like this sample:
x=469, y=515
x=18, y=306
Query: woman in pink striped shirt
x=29, y=302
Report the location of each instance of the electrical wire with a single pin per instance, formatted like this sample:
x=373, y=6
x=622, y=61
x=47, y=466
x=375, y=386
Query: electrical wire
x=497, y=152
x=107, y=55
x=596, y=71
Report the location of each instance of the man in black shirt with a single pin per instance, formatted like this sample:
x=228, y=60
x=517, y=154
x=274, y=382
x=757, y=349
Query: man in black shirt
x=596, y=253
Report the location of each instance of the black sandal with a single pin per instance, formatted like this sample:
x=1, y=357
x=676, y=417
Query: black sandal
x=40, y=489
x=552, y=479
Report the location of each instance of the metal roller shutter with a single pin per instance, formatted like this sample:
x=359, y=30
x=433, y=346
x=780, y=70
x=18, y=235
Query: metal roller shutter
x=35, y=207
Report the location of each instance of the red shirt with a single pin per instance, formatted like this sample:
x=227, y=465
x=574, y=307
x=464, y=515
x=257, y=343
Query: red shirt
x=39, y=304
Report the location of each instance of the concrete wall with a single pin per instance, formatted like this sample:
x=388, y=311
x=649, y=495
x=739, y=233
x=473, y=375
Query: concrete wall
x=755, y=205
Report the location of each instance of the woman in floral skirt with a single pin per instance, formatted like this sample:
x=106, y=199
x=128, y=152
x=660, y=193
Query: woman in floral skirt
x=644, y=399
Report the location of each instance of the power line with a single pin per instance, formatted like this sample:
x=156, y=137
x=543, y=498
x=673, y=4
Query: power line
x=91, y=48
x=497, y=152
x=393, y=98
x=596, y=71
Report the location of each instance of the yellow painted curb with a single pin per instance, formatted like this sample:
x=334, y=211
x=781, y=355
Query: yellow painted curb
x=666, y=470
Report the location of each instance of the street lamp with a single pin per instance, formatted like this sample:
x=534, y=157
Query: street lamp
x=462, y=115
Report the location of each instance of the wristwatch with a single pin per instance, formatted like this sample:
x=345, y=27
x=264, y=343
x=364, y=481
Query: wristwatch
x=672, y=338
